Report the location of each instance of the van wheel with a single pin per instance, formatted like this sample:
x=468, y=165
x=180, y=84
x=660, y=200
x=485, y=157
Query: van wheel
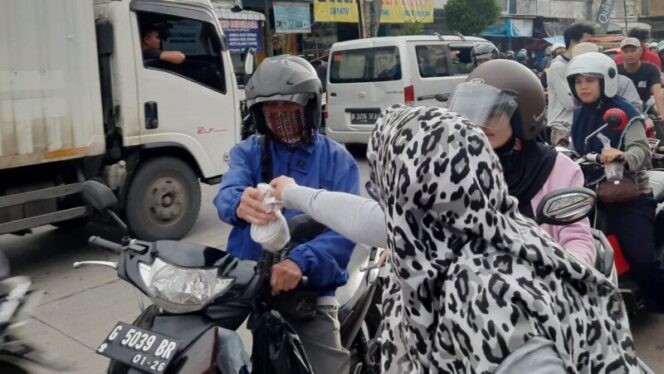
x=164, y=199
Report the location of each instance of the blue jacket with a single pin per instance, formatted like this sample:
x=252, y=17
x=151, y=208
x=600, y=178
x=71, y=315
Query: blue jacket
x=324, y=164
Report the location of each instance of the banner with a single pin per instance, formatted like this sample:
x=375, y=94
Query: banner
x=241, y=34
x=604, y=14
x=292, y=18
x=335, y=11
x=393, y=11
x=404, y=11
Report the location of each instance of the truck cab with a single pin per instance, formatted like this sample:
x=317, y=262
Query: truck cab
x=151, y=128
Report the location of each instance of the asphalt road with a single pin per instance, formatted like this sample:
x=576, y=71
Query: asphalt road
x=80, y=306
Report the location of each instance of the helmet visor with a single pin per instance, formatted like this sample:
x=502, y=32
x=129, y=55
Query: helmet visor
x=482, y=104
x=298, y=98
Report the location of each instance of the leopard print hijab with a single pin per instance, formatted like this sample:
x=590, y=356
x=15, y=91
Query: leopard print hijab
x=473, y=279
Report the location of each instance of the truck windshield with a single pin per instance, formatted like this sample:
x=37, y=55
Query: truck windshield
x=365, y=65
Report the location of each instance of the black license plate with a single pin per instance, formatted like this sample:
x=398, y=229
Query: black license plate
x=364, y=118
x=138, y=348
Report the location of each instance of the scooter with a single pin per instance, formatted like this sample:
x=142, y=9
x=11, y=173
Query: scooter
x=595, y=173
x=197, y=291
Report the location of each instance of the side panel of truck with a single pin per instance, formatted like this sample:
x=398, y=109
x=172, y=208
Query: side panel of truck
x=50, y=105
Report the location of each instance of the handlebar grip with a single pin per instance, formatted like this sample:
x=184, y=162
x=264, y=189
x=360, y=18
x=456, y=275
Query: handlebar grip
x=108, y=245
x=619, y=159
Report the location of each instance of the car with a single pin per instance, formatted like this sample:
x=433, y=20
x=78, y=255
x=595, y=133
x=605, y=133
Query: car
x=368, y=75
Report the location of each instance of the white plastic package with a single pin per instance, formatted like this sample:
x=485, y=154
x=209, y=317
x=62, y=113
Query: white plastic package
x=274, y=235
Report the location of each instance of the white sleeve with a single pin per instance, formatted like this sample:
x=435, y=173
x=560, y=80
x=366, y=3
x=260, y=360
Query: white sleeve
x=559, y=90
x=357, y=218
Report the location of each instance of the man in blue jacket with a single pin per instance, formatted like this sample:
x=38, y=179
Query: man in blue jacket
x=284, y=97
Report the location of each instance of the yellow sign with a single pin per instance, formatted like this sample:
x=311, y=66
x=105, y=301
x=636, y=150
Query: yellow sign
x=335, y=11
x=403, y=11
x=393, y=11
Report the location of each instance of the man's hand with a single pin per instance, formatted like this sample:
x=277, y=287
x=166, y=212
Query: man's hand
x=279, y=184
x=251, y=209
x=610, y=154
x=286, y=275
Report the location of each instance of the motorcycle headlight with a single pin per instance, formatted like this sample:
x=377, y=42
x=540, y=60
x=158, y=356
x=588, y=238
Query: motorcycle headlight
x=182, y=290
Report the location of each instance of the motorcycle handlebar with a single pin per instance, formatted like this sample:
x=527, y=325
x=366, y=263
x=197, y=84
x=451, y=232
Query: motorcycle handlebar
x=108, y=245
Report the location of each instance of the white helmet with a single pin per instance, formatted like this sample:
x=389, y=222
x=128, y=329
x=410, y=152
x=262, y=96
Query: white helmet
x=557, y=46
x=597, y=65
x=652, y=45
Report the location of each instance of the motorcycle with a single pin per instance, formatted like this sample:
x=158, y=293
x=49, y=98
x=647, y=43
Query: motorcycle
x=16, y=301
x=201, y=293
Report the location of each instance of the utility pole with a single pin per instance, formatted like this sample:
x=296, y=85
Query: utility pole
x=268, y=29
x=589, y=10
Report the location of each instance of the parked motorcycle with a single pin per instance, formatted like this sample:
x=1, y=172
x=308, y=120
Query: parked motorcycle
x=198, y=290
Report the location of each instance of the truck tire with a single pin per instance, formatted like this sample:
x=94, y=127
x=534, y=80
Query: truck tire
x=163, y=200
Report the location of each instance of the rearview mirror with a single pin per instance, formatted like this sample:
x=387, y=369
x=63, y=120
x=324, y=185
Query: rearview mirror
x=565, y=206
x=98, y=195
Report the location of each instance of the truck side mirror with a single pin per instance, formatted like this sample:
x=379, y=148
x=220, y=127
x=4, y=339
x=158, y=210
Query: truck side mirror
x=249, y=62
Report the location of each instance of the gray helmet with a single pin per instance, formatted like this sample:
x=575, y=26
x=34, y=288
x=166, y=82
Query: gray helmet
x=285, y=78
x=484, y=51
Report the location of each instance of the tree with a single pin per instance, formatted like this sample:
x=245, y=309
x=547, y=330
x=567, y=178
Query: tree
x=471, y=17
x=410, y=28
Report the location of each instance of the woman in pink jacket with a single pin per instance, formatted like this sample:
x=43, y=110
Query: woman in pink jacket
x=507, y=101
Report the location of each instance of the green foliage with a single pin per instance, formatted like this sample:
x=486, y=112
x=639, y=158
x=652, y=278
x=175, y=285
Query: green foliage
x=471, y=17
x=409, y=28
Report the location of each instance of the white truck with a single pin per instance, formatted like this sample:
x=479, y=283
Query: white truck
x=80, y=99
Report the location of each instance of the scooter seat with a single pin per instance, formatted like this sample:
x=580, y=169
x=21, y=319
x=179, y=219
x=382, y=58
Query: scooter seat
x=657, y=184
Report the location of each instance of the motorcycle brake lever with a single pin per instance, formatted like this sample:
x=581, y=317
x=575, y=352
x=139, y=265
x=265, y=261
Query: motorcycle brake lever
x=112, y=265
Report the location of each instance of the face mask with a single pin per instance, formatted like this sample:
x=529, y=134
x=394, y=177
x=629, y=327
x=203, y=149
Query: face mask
x=286, y=126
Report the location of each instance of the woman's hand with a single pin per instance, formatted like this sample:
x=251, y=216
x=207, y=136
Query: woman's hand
x=611, y=154
x=279, y=184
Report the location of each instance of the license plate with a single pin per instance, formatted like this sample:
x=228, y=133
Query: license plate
x=364, y=118
x=138, y=348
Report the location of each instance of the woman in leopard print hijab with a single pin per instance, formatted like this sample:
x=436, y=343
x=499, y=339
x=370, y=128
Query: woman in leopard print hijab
x=472, y=279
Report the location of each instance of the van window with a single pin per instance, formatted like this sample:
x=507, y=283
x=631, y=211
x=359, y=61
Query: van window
x=432, y=60
x=461, y=59
x=197, y=40
x=365, y=65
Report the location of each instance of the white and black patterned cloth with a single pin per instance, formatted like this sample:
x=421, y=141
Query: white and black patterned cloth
x=472, y=279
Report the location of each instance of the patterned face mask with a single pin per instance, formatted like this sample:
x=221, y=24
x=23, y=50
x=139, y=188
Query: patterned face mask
x=286, y=123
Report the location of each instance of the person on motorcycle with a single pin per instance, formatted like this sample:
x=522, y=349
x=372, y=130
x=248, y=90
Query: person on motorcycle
x=483, y=52
x=284, y=97
x=507, y=101
x=660, y=52
x=475, y=286
x=646, y=76
x=593, y=79
x=626, y=88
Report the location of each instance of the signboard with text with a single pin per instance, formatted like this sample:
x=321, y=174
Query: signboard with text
x=292, y=18
x=393, y=11
x=242, y=34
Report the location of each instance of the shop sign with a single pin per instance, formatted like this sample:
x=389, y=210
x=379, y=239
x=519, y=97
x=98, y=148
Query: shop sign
x=292, y=18
x=241, y=34
x=393, y=11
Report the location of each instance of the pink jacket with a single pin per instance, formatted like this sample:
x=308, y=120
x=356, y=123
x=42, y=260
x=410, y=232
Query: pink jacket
x=577, y=237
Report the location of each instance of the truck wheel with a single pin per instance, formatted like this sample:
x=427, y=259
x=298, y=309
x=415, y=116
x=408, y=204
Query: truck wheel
x=164, y=199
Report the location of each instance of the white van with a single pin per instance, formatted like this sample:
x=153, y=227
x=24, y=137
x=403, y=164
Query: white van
x=368, y=75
